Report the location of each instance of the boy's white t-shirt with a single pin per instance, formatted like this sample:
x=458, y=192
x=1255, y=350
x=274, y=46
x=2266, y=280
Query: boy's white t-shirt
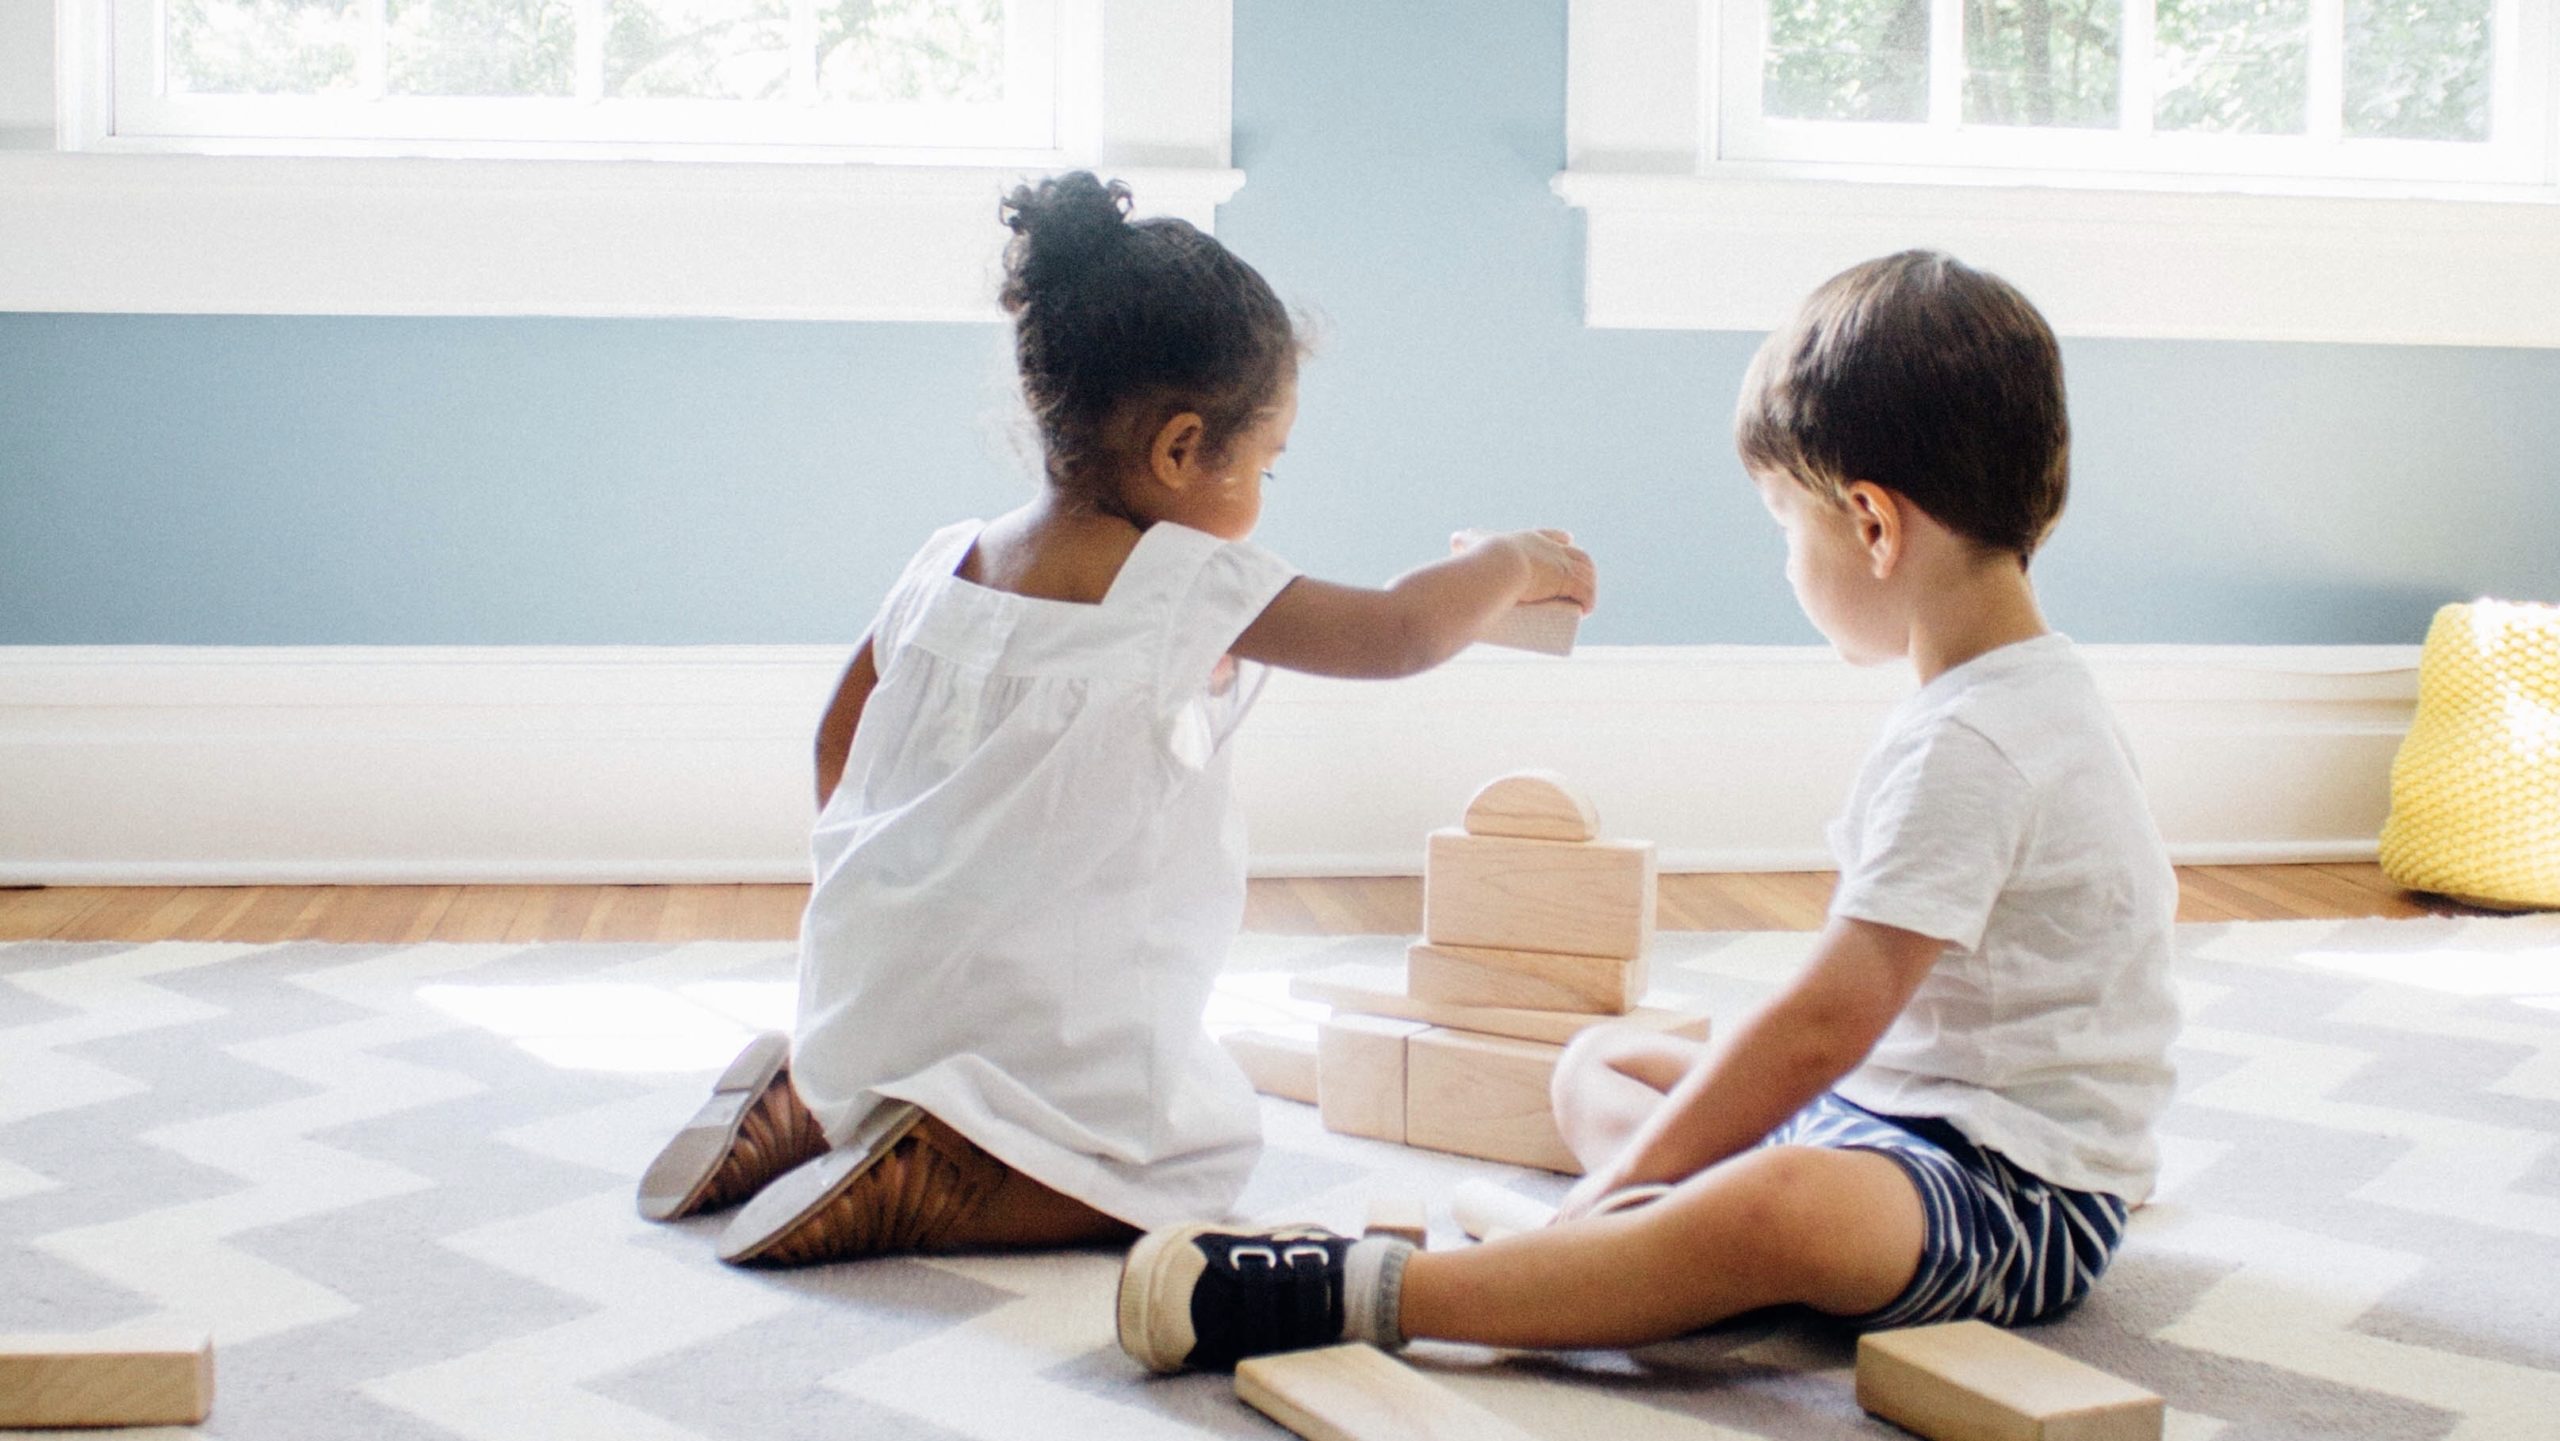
x=2001, y=812
x=1032, y=872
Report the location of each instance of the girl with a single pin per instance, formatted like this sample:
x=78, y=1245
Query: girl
x=1028, y=865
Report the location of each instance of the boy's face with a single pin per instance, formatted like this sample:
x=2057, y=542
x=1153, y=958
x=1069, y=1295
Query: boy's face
x=1831, y=569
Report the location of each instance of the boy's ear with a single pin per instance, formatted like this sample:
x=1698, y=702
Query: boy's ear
x=1177, y=457
x=1881, y=522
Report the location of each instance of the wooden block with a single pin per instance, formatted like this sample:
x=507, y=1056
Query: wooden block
x=1484, y=1096
x=1533, y=805
x=1971, y=1381
x=1586, y=898
x=1359, y=1393
x=1381, y=991
x=1277, y=1063
x=112, y=1379
x=1489, y=1212
x=1360, y=1075
x=1524, y=980
x=1398, y=1213
x=1547, y=627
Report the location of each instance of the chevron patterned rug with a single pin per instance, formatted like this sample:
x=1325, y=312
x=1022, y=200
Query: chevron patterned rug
x=395, y=1183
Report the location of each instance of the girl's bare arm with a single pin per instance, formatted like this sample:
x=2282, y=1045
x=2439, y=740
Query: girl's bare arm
x=1422, y=617
x=835, y=728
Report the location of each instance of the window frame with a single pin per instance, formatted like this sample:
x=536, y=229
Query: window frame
x=94, y=224
x=370, y=122
x=1679, y=235
x=2515, y=155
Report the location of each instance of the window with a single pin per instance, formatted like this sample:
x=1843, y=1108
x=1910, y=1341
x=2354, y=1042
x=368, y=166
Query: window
x=346, y=157
x=2412, y=90
x=2377, y=171
x=460, y=76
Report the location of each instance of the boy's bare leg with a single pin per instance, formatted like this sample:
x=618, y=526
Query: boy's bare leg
x=1609, y=1080
x=1836, y=1230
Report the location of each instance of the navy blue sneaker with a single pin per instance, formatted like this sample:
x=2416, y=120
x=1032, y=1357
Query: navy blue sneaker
x=1203, y=1298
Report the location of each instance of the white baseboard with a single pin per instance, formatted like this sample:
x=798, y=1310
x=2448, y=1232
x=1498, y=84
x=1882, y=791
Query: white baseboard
x=141, y=765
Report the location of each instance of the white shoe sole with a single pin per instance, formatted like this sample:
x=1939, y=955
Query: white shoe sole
x=1155, y=1297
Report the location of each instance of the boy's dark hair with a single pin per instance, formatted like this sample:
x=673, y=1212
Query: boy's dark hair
x=1121, y=325
x=1932, y=379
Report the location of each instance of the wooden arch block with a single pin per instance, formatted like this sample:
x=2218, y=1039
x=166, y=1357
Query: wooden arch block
x=1533, y=805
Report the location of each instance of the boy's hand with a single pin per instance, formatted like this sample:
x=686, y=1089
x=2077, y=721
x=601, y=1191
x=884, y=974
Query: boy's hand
x=1558, y=569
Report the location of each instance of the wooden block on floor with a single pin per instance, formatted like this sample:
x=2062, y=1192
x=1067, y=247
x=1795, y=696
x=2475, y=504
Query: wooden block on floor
x=1359, y=1393
x=1276, y=1062
x=112, y=1379
x=1524, y=980
x=1577, y=898
x=1484, y=1096
x=1360, y=1075
x=1399, y=1213
x=1546, y=626
x=1971, y=1381
x=1533, y=805
x=1381, y=991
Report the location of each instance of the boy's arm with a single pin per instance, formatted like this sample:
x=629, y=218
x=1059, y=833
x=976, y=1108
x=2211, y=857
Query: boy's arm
x=1777, y=1060
x=1422, y=617
x=835, y=728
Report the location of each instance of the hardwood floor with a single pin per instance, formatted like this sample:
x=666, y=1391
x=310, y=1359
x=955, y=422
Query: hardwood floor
x=396, y=914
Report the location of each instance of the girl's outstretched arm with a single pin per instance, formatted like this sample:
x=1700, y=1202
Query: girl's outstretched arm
x=835, y=728
x=1422, y=617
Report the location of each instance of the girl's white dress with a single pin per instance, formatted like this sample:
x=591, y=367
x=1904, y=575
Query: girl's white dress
x=1032, y=871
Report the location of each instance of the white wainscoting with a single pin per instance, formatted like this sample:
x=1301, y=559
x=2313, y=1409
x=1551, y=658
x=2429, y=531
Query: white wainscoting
x=170, y=765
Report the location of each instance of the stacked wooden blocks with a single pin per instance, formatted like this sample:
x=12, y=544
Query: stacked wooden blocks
x=1534, y=928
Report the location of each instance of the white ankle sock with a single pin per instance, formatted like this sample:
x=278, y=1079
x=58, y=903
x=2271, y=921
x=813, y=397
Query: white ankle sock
x=1373, y=1291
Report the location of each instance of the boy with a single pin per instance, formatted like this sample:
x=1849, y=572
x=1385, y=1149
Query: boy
x=1948, y=1113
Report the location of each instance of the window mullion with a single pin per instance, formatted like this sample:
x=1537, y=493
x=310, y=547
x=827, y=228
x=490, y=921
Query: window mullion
x=591, y=27
x=804, y=52
x=374, y=67
x=2326, y=99
x=1946, y=64
x=2138, y=91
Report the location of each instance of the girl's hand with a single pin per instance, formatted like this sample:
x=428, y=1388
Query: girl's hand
x=1558, y=569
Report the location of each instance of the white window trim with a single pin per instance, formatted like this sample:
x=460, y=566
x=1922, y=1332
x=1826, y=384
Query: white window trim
x=1681, y=239
x=94, y=227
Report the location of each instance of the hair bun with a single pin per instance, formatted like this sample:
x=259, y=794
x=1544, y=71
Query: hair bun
x=1058, y=226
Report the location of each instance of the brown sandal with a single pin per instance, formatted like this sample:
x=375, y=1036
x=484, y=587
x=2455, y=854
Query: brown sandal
x=751, y=1130
x=904, y=1182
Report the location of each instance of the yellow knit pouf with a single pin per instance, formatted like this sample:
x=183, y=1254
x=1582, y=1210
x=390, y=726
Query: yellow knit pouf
x=2475, y=791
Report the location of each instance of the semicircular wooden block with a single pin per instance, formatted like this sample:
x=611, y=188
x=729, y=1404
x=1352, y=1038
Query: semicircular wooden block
x=1532, y=805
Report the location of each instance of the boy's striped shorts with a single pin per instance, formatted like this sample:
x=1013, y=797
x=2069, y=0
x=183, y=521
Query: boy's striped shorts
x=2000, y=1244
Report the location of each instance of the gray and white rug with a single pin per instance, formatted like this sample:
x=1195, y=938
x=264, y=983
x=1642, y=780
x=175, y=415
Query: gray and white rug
x=395, y=1183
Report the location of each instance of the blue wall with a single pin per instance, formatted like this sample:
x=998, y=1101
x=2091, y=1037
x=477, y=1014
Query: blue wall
x=249, y=480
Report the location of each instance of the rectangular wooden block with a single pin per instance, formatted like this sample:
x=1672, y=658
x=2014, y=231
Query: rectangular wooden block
x=1359, y=1393
x=1360, y=1075
x=1398, y=1213
x=1484, y=1096
x=107, y=1380
x=1970, y=1381
x=1381, y=991
x=1545, y=626
x=1525, y=980
x=1275, y=1062
x=1577, y=898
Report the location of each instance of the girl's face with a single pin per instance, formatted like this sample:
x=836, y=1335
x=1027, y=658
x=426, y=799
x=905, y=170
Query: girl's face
x=1231, y=505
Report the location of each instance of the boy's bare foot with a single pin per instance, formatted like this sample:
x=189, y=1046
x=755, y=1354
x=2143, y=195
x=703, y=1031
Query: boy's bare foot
x=751, y=1130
